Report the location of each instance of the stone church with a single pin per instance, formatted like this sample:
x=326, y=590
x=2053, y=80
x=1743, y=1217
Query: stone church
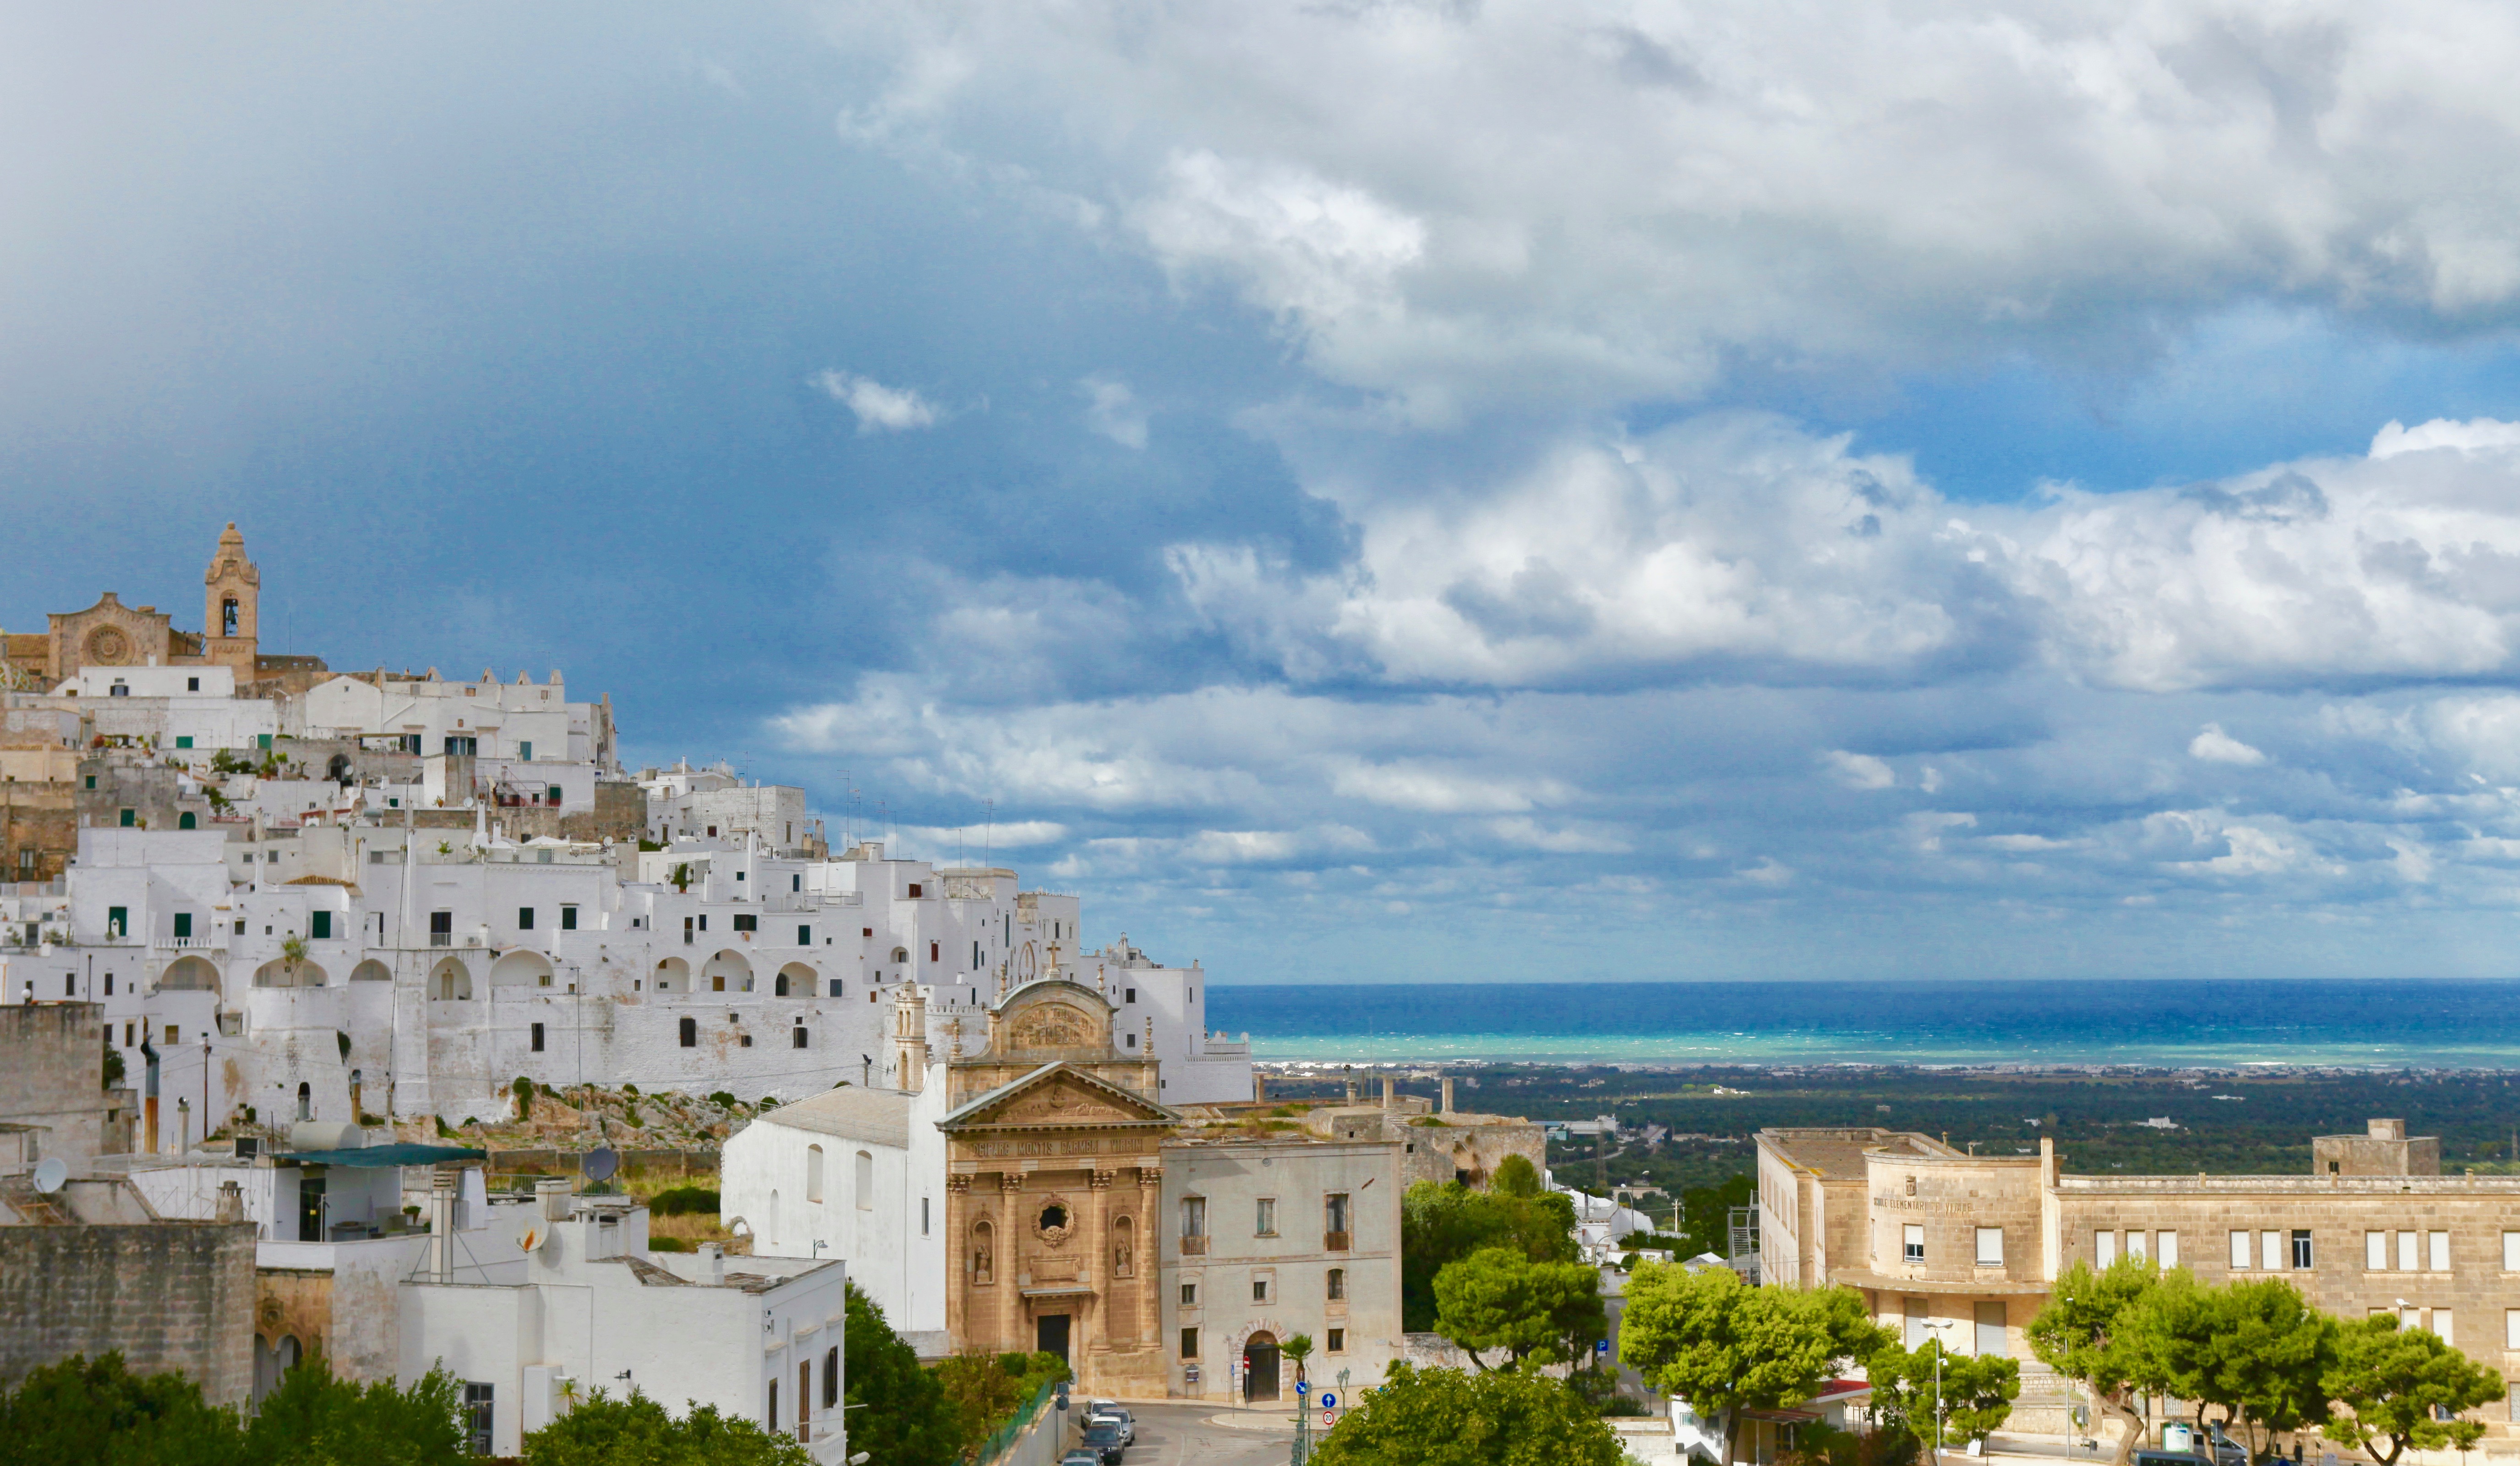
x=110, y=633
x=1053, y=1180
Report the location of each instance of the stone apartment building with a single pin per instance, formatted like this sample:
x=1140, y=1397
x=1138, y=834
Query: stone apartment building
x=1967, y=1246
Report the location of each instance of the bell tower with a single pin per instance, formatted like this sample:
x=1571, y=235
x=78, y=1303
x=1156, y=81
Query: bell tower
x=229, y=637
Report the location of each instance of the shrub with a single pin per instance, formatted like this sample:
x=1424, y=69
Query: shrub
x=668, y=1244
x=683, y=1201
x=724, y=1100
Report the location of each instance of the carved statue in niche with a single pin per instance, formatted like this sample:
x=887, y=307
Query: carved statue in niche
x=1053, y=1026
x=984, y=1268
x=1123, y=1253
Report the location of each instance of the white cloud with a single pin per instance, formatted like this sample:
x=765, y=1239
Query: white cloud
x=2216, y=746
x=1596, y=199
x=1113, y=411
x=1859, y=770
x=1411, y=786
x=1520, y=830
x=876, y=407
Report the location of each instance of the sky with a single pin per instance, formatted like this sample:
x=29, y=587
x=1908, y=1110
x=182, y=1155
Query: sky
x=1371, y=491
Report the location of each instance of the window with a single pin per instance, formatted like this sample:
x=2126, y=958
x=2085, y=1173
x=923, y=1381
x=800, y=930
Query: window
x=1194, y=1216
x=835, y=987
x=932, y=951
x=1918, y=1314
x=2440, y=1325
x=866, y=1181
x=795, y=882
x=477, y=1406
x=2512, y=1328
x=691, y=1033
x=569, y=918
x=804, y=936
x=1132, y=1041
x=922, y=1216
x=183, y=925
x=2241, y=1251
x=797, y=1037
x=1264, y=1218
x=538, y=1038
x=319, y=925
x=2437, y=1251
x=117, y=920
x=184, y=740
x=746, y=921
x=191, y=685
x=1190, y=1344
x=831, y=1379
x=2166, y=1249
x=1912, y=1247
x=2301, y=1249
x=914, y=890
x=1337, y=1341
x=772, y=1419
x=130, y=818
x=1335, y=1286
x=441, y=929
x=2511, y=1252
x=1190, y=1300
x=91, y=781
x=814, y=1173
x=1132, y=995
x=2375, y=1251
x=2405, y=1252
x=2104, y=1248
x=174, y=1034
x=1989, y=1247
x=2135, y=1244
x=2270, y=1250
x=525, y=751
x=1259, y=1290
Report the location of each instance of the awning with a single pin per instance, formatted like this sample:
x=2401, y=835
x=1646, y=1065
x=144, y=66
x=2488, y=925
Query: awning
x=407, y=1153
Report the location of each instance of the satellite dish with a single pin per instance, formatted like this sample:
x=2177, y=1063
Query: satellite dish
x=599, y=1164
x=530, y=1239
x=50, y=1172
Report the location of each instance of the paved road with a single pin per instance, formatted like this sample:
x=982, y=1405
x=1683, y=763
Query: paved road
x=1181, y=1436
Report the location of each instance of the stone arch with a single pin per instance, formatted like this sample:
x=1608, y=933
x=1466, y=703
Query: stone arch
x=796, y=980
x=901, y=956
x=673, y=975
x=189, y=975
x=728, y=972
x=276, y=973
x=522, y=969
x=451, y=981
x=1260, y=1366
x=372, y=971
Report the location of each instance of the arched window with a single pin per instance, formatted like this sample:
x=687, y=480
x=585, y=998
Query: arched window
x=984, y=1253
x=1124, y=1247
x=814, y=1173
x=778, y=989
x=184, y=820
x=305, y=1102
x=866, y=1181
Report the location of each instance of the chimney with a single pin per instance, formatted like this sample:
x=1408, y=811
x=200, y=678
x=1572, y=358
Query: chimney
x=1386, y=1092
x=1352, y=1095
x=231, y=1202
x=442, y=1227
x=712, y=1262
x=2047, y=1160
x=1448, y=1096
x=1259, y=1088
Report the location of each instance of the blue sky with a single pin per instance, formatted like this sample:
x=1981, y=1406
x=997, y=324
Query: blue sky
x=1371, y=492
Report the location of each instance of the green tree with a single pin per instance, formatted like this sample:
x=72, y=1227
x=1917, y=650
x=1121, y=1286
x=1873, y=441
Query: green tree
x=1497, y=1299
x=1297, y=1348
x=2255, y=1351
x=314, y=1419
x=1450, y=1418
x=983, y=1390
x=1440, y=1225
x=1517, y=1177
x=1724, y=1346
x=907, y=1420
x=1970, y=1395
x=2393, y=1379
x=2083, y=1335
x=100, y=1412
x=608, y=1432
x=1706, y=1216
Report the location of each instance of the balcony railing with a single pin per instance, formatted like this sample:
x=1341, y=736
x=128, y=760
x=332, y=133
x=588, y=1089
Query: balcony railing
x=1334, y=1242
x=1194, y=1247
x=441, y=939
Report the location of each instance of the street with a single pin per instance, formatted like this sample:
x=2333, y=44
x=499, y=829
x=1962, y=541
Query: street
x=1180, y=1435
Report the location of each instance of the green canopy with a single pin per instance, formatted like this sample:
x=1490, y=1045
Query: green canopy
x=409, y=1153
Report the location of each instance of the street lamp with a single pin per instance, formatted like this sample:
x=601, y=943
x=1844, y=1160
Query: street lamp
x=1939, y=1325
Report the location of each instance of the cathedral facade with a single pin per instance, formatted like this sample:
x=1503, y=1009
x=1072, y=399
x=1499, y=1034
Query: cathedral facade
x=111, y=633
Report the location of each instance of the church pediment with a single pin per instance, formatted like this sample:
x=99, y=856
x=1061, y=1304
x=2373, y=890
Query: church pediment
x=1055, y=1096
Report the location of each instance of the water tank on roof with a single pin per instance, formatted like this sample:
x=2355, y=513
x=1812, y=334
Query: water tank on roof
x=326, y=1134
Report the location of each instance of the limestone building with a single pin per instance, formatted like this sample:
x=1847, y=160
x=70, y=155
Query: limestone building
x=1966, y=1248
x=110, y=633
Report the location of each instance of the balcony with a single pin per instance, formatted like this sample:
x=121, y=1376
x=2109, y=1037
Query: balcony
x=1336, y=1242
x=1194, y=1247
x=441, y=939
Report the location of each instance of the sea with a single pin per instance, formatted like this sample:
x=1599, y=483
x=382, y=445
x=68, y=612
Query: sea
x=2170, y=1024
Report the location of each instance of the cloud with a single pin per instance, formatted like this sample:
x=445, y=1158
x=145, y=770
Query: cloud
x=2216, y=746
x=876, y=407
x=1599, y=201
x=1859, y=770
x=1114, y=412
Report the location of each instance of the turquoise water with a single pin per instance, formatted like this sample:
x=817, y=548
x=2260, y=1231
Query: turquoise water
x=2219, y=1024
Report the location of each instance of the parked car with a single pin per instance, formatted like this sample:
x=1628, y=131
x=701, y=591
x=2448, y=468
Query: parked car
x=1081, y=1457
x=1098, y=1414
x=1104, y=1437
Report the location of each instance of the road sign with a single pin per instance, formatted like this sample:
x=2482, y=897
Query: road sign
x=1326, y=1420
x=1302, y=1389
x=1600, y=1346
x=1330, y=1402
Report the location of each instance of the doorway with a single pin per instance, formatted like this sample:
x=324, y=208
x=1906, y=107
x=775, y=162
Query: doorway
x=310, y=1206
x=1260, y=1368
x=1049, y=1335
